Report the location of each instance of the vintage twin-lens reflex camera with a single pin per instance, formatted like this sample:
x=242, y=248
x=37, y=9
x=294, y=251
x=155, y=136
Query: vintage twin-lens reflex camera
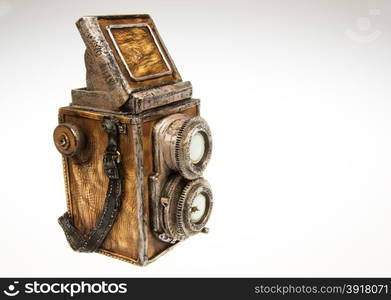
x=133, y=145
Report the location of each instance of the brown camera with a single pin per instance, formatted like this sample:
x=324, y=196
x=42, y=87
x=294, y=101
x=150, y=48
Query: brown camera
x=133, y=146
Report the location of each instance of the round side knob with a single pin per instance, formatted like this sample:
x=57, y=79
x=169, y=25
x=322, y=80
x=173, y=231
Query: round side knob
x=68, y=139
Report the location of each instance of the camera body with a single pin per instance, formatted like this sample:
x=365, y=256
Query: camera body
x=133, y=145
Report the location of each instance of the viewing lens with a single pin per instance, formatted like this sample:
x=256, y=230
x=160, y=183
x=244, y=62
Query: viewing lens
x=197, y=147
x=186, y=144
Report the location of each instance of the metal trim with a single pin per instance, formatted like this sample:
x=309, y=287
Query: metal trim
x=115, y=82
x=155, y=40
x=139, y=165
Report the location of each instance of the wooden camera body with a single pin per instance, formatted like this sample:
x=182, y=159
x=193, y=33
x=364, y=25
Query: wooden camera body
x=134, y=146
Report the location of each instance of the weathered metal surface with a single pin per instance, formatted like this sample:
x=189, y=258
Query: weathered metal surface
x=155, y=97
x=113, y=81
x=125, y=57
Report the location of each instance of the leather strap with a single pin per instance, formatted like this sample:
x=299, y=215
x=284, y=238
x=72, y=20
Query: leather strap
x=112, y=167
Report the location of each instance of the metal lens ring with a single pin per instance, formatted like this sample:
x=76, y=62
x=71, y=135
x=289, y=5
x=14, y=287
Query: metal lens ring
x=186, y=143
x=169, y=204
x=192, y=159
x=179, y=204
x=194, y=206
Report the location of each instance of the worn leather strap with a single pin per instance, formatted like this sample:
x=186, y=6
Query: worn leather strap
x=112, y=167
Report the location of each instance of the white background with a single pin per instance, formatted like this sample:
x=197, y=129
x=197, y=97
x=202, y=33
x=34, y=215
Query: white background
x=297, y=94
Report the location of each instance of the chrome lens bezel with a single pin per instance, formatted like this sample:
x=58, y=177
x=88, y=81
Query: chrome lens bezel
x=192, y=189
x=185, y=165
x=175, y=207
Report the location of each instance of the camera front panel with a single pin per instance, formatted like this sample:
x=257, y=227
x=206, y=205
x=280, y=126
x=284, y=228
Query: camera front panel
x=181, y=200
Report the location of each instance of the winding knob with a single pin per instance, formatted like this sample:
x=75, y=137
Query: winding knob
x=68, y=139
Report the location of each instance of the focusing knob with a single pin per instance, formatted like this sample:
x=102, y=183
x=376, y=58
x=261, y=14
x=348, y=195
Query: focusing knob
x=68, y=139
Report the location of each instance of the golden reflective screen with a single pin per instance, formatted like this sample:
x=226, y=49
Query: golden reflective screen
x=139, y=51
